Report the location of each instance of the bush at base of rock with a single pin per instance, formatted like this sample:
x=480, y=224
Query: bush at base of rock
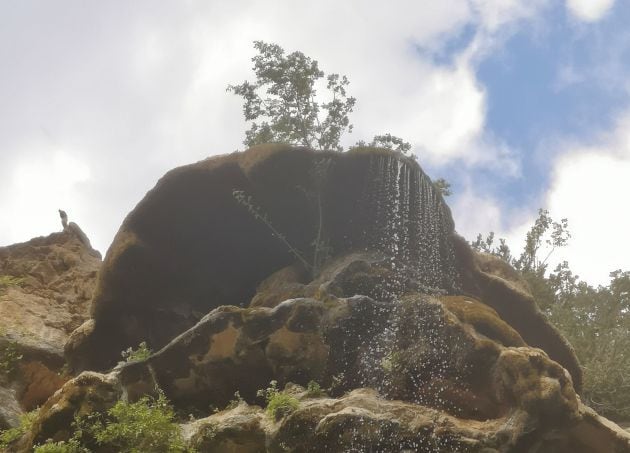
x=12, y=435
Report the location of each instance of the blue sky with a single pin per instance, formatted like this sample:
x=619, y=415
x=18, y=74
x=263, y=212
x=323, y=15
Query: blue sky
x=521, y=104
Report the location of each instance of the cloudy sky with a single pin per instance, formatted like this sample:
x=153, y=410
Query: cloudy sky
x=520, y=104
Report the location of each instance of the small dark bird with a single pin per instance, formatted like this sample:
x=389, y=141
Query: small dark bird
x=64, y=218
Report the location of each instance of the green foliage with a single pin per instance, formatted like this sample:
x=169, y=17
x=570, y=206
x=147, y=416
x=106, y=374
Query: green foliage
x=313, y=390
x=71, y=446
x=234, y=402
x=279, y=404
x=392, y=362
x=143, y=352
x=6, y=281
x=9, y=436
x=387, y=141
x=147, y=425
x=544, y=232
x=595, y=320
x=288, y=110
x=487, y=246
x=10, y=357
x=443, y=186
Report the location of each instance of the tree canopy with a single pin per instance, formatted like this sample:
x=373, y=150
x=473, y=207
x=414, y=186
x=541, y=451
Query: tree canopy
x=289, y=111
x=594, y=319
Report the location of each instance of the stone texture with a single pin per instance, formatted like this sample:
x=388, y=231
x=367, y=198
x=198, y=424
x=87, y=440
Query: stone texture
x=456, y=360
x=189, y=246
x=55, y=278
x=58, y=275
x=85, y=394
x=10, y=409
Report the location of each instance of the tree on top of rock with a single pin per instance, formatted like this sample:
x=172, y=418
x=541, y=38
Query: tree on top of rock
x=288, y=110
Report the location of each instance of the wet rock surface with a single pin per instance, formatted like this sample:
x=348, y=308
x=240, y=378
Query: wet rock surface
x=191, y=246
x=349, y=289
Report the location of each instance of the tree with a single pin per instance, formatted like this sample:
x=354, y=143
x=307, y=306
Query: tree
x=288, y=110
x=443, y=186
x=595, y=320
x=387, y=141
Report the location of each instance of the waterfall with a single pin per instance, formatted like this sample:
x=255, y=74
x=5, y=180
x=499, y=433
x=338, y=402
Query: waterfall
x=408, y=220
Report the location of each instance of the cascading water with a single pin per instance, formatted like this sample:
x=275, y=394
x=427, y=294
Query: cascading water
x=406, y=219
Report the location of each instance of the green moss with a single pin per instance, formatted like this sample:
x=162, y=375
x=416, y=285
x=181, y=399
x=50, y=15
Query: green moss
x=393, y=362
x=6, y=281
x=11, y=435
x=279, y=404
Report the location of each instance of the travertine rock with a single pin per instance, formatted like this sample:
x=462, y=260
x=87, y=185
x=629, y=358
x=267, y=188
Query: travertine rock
x=50, y=284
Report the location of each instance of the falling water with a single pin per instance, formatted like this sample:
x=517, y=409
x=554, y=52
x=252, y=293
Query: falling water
x=408, y=220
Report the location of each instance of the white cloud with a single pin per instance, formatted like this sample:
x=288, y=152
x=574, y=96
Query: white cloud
x=589, y=10
x=590, y=187
x=39, y=188
x=474, y=214
x=134, y=89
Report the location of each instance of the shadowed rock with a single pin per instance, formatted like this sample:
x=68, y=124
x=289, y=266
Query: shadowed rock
x=189, y=246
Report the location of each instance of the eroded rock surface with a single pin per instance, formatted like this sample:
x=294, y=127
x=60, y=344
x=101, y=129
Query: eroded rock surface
x=420, y=343
x=49, y=282
x=189, y=246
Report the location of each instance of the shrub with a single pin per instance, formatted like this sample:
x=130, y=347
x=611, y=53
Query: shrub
x=71, y=446
x=9, y=358
x=279, y=404
x=147, y=425
x=9, y=436
x=143, y=352
x=7, y=281
x=313, y=389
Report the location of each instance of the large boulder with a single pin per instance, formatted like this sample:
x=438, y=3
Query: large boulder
x=46, y=285
x=283, y=264
x=190, y=246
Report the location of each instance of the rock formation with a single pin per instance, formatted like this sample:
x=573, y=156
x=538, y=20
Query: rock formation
x=288, y=265
x=48, y=285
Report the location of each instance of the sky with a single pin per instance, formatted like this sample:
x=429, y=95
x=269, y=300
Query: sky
x=521, y=105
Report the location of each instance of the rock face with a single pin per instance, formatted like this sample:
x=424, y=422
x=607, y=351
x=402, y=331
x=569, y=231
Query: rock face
x=190, y=246
x=282, y=264
x=48, y=285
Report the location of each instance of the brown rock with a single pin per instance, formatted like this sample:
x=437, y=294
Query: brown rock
x=237, y=430
x=53, y=279
x=189, y=246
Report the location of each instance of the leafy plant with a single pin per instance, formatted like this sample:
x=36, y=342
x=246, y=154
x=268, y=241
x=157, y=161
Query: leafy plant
x=143, y=352
x=392, y=362
x=70, y=446
x=148, y=425
x=7, y=281
x=387, y=141
x=11, y=435
x=10, y=357
x=443, y=186
x=288, y=107
x=313, y=389
x=320, y=246
x=595, y=320
x=234, y=402
x=279, y=403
